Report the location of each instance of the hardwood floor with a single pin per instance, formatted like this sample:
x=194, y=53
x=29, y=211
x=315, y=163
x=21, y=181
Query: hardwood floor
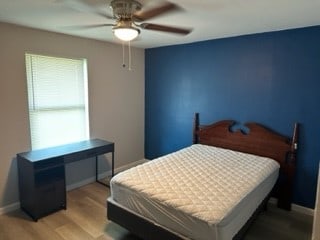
x=85, y=219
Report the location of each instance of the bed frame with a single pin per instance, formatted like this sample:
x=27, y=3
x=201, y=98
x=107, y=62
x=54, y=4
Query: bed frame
x=250, y=138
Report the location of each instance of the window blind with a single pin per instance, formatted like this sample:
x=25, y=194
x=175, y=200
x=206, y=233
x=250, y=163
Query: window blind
x=58, y=102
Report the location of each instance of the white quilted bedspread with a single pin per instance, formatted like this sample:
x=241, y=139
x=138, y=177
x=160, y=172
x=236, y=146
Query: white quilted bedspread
x=204, y=181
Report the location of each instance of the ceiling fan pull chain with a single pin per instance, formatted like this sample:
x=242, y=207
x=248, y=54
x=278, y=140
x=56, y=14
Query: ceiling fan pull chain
x=123, y=63
x=129, y=48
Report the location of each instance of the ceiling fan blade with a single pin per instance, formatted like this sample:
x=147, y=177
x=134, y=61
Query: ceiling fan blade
x=105, y=15
x=153, y=12
x=81, y=27
x=163, y=28
x=87, y=6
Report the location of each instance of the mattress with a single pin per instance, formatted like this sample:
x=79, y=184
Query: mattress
x=199, y=192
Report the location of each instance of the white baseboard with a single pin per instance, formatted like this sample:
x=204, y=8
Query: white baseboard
x=16, y=205
x=130, y=165
x=70, y=187
x=296, y=208
x=104, y=174
x=9, y=208
x=304, y=210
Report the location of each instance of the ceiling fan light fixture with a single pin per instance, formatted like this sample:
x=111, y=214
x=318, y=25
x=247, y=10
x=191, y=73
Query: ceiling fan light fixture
x=126, y=33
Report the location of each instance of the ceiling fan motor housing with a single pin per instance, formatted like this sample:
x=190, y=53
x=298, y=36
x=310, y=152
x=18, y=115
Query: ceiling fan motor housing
x=124, y=9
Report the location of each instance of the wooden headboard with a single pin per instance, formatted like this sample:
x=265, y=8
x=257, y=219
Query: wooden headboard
x=258, y=140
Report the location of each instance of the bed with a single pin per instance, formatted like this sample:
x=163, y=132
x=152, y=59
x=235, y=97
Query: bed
x=212, y=189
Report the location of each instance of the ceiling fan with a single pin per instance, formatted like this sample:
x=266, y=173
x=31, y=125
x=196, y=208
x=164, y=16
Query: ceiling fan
x=129, y=19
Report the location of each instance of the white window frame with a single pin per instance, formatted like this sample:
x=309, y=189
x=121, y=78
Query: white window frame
x=54, y=114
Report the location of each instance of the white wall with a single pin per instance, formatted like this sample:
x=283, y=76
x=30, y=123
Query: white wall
x=116, y=99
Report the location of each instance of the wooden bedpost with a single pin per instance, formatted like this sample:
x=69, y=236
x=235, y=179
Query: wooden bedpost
x=286, y=189
x=196, y=128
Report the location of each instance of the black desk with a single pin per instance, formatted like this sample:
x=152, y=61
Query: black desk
x=41, y=174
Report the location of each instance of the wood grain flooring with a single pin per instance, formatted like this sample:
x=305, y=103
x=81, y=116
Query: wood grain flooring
x=85, y=219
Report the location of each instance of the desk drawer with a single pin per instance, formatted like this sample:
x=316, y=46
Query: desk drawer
x=105, y=149
x=48, y=163
x=79, y=156
x=49, y=176
x=88, y=153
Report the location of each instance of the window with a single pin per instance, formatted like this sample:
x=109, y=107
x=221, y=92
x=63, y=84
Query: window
x=58, y=100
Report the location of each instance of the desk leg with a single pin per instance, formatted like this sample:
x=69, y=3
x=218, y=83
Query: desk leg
x=112, y=166
x=96, y=168
x=97, y=171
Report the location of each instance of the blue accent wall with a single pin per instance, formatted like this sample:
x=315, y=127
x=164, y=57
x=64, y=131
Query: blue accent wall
x=272, y=78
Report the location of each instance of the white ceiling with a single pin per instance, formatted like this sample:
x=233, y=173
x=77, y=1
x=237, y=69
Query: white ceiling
x=210, y=19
